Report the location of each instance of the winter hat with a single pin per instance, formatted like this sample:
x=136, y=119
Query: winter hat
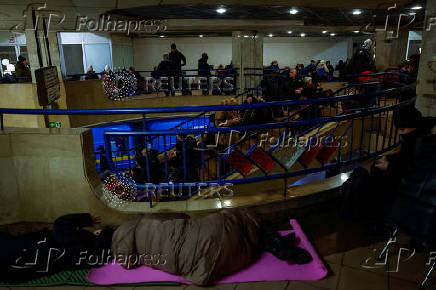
x=367, y=44
x=407, y=117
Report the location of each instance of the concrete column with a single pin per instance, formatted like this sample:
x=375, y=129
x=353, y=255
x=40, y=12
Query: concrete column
x=247, y=52
x=426, y=85
x=50, y=51
x=390, y=52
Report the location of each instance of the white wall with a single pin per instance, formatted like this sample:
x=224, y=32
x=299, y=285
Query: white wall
x=288, y=51
x=96, y=49
x=148, y=51
x=8, y=38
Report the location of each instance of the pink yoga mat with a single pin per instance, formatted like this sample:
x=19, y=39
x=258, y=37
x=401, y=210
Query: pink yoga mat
x=267, y=268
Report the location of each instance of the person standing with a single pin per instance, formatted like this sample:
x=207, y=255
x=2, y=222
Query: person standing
x=177, y=60
x=204, y=70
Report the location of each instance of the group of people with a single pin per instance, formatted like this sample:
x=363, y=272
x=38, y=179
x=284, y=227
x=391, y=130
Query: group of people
x=320, y=70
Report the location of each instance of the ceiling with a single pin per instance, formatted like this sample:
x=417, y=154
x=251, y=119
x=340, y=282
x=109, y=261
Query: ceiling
x=275, y=19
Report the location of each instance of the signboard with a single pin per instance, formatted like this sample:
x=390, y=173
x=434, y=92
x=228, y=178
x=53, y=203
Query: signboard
x=47, y=83
x=54, y=125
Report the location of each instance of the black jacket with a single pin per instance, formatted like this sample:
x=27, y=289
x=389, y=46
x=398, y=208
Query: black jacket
x=177, y=60
x=203, y=67
x=33, y=255
x=163, y=69
x=361, y=61
x=414, y=208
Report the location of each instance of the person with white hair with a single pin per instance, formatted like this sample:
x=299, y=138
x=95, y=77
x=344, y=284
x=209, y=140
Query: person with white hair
x=322, y=69
x=90, y=74
x=363, y=59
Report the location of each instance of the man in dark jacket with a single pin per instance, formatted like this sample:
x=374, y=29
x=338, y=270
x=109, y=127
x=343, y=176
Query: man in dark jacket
x=177, y=60
x=204, y=69
x=22, y=70
x=67, y=247
x=388, y=170
x=291, y=86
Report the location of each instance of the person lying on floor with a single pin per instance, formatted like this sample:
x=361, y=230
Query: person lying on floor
x=202, y=250
x=67, y=247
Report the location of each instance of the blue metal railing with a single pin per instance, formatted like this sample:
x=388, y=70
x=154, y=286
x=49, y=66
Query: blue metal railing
x=206, y=155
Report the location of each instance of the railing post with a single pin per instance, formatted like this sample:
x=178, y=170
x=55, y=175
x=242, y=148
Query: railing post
x=166, y=158
x=144, y=122
x=147, y=163
x=1, y=120
x=184, y=158
x=202, y=157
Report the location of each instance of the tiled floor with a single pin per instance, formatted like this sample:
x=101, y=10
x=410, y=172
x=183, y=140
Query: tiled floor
x=352, y=269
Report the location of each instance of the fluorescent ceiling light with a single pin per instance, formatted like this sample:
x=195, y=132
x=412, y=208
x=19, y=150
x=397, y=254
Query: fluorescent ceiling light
x=221, y=10
x=357, y=12
x=332, y=34
x=270, y=35
x=303, y=34
x=245, y=36
x=324, y=31
x=289, y=31
x=161, y=36
x=356, y=31
x=417, y=7
x=293, y=11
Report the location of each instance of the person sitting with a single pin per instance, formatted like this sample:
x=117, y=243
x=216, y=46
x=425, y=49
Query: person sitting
x=68, y=246
x=291, y=87
x=90, y=74
x=310, y=91
x=255, y=115
x=274, y=67
x=155, y=172
x=300, y=69
x=203, y=249
x=139, y=79
x=227, y=118
x=177, y=166
x=22, y=70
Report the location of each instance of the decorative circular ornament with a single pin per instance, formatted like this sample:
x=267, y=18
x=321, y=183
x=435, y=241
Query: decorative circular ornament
x=118, y=191
x=119, y=85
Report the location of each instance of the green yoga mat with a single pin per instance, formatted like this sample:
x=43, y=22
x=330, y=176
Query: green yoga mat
x=74, y=277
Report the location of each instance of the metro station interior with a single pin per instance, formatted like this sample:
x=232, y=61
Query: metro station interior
x=218, y=144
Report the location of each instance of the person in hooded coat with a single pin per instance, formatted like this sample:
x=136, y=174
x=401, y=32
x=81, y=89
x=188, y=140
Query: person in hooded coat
x=388, y=170
x=203, y=249
x=362, y=60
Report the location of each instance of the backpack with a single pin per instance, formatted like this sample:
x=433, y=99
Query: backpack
x=353, y=192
